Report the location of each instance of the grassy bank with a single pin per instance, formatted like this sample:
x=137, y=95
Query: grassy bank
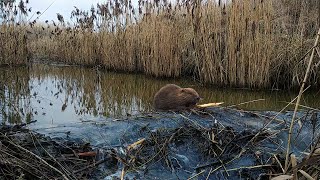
x=256, y=44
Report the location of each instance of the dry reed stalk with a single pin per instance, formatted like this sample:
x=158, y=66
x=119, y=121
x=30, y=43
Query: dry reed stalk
x=40, y=159
x=306, y=175
x=13, y=45
x=298, y=100
x=294, y=166
x=234, y=105
x=196, y=175
x=250, y=167
x=123, y=173
x=240, y=43
x=279, y=163
x=282, y=177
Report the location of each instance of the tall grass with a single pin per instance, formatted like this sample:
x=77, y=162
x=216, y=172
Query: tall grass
x=243, y=43
x=13, y=38
x=13, y=45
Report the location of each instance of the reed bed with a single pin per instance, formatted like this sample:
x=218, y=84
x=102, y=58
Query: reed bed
x=13, y=36
x=13, y=46
x=248, y=43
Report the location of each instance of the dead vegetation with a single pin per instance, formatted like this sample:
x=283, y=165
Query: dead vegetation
x=219, y=145
x=13, y=34
x=218, y=150
x=256, y=44
x=221, y=150
x=244, y=43
x=29, y=155
x=13, y=46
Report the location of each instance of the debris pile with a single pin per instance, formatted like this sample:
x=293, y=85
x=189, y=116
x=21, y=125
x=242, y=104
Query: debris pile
x=25, y=154
x=186, y=146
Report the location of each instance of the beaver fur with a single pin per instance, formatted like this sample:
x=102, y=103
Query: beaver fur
x=173, y=97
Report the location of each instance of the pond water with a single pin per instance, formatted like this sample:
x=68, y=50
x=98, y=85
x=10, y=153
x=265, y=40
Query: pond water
x=113, y=110
x=55, y=95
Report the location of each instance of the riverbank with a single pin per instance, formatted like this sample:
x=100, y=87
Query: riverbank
x=245, y=44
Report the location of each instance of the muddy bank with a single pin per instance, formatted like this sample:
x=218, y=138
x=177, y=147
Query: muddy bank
x=216, y=143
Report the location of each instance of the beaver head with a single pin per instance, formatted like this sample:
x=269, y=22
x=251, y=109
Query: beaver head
x=189, y=96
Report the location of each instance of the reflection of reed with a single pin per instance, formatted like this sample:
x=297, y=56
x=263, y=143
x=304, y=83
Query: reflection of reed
x=15, y=95
x=114, y=94
x=273, y=100
x=93, y=92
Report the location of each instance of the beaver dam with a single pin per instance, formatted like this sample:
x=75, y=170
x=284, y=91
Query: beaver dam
x=216, y=143
x=67, y=122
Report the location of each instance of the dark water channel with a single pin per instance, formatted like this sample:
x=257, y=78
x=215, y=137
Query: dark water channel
x=97, y=107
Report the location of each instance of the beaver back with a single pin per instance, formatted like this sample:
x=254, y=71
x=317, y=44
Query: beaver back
x=173, y=97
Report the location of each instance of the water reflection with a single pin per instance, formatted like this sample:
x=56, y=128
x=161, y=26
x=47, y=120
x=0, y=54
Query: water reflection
x=58, y=95
x=15, y=95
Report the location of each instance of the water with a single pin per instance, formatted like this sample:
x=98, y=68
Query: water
x=55, y=95
x=112, y=110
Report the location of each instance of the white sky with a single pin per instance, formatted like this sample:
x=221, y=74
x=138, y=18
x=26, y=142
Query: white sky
x=64, y=7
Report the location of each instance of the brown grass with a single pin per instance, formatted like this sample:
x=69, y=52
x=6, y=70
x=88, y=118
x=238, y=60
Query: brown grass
x=13, y=46
x=13, y=36
x=255, y=44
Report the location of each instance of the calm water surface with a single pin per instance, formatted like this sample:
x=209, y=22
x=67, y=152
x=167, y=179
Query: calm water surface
x=54, y=95
x=81, y=103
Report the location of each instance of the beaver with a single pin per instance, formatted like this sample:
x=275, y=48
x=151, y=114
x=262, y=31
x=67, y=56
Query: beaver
x=173, y=97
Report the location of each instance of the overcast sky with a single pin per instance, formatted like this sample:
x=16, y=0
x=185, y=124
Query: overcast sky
x=64, y=7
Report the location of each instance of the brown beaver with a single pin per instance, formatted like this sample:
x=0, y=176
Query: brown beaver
x=173, y=97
